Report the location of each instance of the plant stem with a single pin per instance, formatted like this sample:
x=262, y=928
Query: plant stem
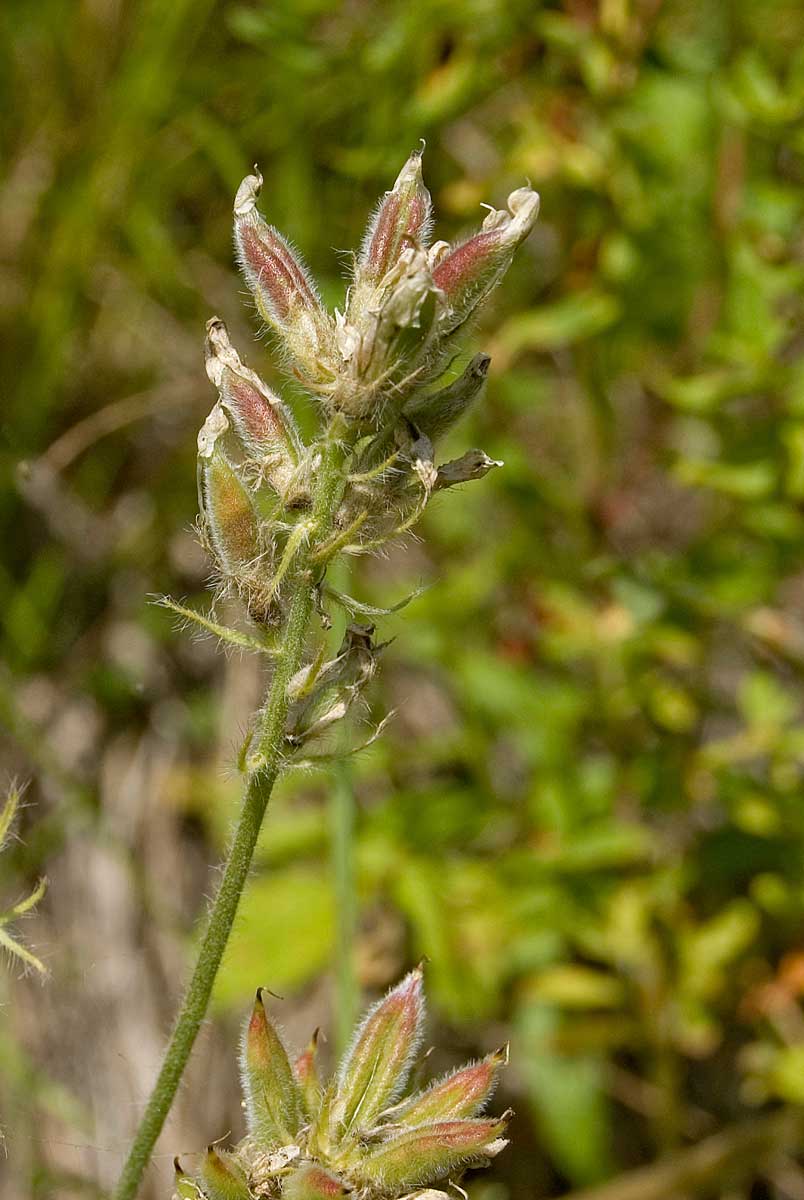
x=342, y=817
x=342, y=820
x=241, y=851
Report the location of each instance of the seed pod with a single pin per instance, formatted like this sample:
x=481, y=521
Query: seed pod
x=222, y=1178
x=463, y=1093
x=376, y=1065
x=434, y=415
x=283, y=288
x=474, y=464
x=468, y=273
x=402, y=218
x=313, y=1183
x=229, y=512
x=427, y=1153
x=273, y=1104
x=305, y=1069
x=262, y=422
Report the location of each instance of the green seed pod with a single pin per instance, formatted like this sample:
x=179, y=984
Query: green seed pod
x=229, y=513
x=375, y=1068
x=273, y=1103
x=427, y=1153
x=305, y=1069
x=462, y=1093
x=313, y=1183
x=222, y=1178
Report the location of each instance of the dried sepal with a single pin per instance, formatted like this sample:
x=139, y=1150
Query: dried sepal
x=375, y=1068
x=222, y=1178
x=266, y=1167
x=284, y=291
x=323, y=692
x=467, y=273
x=426, y=1153
x=272, y=1099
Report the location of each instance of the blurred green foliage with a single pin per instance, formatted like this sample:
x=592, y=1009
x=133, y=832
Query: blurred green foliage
x=588, y=812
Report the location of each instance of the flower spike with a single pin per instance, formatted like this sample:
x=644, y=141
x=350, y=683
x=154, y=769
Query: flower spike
x=314, y=1143
x=276, y=512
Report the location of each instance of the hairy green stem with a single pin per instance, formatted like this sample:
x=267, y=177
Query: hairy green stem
x=342, y=817
x=241, y=851
x=342, y=820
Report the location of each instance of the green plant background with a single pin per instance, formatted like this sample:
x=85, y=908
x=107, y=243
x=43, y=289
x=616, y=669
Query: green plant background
x=587, y=812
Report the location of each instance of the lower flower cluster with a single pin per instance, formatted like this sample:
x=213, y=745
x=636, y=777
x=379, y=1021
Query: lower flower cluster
x=359, y=1134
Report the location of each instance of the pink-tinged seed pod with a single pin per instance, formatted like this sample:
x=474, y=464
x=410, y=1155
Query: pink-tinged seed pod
x=376, y=1065
x=305, y=1069
x=427, y=1153
x=461, y=1094
x=273, y=1104
x=313, y=1183
x=262, y=422
x=222, y=1179
x=283, y=288
x=434, y=415
x=229, y=513
x=468, y=273
x=402, y=218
